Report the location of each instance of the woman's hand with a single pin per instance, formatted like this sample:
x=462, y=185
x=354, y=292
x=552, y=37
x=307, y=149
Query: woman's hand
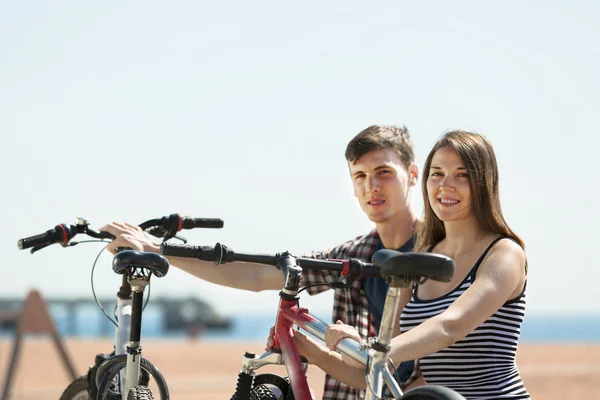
x=340, y=331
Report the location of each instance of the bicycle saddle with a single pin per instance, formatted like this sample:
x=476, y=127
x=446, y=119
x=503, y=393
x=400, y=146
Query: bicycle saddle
x=414, y=265
x=126, y=259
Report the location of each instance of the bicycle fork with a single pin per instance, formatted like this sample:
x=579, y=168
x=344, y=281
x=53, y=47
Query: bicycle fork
x=250, y=363
x=123, y=315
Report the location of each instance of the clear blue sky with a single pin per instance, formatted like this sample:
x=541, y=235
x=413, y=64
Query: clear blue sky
x=242, y=110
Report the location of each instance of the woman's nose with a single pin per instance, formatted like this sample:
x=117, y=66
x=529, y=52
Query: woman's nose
x=447, y=183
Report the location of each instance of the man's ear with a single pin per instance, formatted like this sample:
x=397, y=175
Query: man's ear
x=413, y=172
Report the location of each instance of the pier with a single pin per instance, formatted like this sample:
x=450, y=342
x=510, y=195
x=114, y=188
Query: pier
x=188, y=315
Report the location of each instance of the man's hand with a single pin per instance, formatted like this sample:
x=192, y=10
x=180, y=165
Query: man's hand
x=131, y=236
x=271, y=339
x=307, y=347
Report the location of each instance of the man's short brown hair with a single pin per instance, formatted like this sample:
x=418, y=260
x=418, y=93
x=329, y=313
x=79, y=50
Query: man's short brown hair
x=377, y=137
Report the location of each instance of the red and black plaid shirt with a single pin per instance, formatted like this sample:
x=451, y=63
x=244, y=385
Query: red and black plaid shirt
x=349, y=305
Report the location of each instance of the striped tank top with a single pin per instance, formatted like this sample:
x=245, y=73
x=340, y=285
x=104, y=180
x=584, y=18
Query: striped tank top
x=482, y=364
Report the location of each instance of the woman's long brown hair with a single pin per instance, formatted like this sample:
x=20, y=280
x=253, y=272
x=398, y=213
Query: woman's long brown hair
x=478, y=156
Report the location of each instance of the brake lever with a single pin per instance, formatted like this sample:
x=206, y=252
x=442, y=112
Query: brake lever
x=353, y=273
x=156, y=232
x=167, y=237
x=183, y=239
x=36, y=248
x=99, y=235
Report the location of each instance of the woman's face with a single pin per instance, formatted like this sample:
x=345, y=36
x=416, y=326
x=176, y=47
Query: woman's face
x=448, y=187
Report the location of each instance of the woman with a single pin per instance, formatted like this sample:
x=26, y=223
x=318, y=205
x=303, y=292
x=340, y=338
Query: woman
x=465, y=332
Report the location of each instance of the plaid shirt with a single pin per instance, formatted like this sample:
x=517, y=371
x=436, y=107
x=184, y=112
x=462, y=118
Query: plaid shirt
x=349, y=305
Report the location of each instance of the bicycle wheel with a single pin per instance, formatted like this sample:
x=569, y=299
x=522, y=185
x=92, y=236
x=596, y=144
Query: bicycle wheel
x=114, y=391
x=140, y=393
x=77, y=390
x=109, y=369
x=432, y=392
x=262, y=392
x=279, y=386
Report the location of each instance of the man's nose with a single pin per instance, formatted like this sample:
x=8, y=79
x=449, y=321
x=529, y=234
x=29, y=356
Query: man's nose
x=372, y=185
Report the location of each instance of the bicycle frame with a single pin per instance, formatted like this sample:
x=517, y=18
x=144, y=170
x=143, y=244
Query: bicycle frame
x=400, y=271
x=127, y=362
x=125, y=313
x=289, y=313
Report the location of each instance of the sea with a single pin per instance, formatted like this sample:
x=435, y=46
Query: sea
x=255, y=327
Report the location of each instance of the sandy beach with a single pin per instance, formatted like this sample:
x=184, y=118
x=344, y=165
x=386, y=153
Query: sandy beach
x=197, y=369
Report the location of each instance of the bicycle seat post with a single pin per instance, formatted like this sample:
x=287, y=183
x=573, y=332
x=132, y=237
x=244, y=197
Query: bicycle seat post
x=134, y=348
x=379, y=368
x=138, y=267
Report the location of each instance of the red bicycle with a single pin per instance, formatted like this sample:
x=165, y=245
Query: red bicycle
x=400, y=270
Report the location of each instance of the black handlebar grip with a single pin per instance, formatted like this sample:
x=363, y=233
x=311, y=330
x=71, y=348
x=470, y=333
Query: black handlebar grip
x=371, y=270
x=191, y=223
x=205, y=253
x=55, y=235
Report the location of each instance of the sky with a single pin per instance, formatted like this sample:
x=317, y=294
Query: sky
x=242, y=111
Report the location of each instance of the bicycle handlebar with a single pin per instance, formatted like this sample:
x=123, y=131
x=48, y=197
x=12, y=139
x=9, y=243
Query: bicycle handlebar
x=176, y=220
x=165, y=227
x=56, y=235
x=61, y=233
x=220, y=254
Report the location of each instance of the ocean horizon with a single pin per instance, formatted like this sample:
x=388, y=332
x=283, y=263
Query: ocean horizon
x=535, y=328
x=255, y=327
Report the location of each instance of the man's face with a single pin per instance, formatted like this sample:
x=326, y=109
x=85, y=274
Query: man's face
x=381, y=184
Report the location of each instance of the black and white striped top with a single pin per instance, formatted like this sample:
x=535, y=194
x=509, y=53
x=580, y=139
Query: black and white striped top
x=481, y=365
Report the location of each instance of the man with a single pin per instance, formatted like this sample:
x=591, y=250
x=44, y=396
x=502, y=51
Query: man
x=381, y=164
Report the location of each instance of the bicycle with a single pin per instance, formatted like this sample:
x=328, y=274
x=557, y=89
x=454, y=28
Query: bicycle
x=399, y=269
x=122, y=374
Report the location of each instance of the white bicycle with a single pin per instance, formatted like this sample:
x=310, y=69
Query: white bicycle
x=122, y=374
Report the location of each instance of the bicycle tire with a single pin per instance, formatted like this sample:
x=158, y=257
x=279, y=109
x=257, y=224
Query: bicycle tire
x=111, y=367
x=140, y=393
x=114, y=393
x=282, y=385
x=261, y=392
x=77, y=390
x=432, y=392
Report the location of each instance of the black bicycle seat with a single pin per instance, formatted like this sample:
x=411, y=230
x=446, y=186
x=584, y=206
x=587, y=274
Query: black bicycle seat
x=127, y=259
x=413, y=266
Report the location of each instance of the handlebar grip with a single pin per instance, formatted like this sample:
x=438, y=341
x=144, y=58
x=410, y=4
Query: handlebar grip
x=204, y=253
x=56, y=235
x=191, y=223
x=371, y=270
